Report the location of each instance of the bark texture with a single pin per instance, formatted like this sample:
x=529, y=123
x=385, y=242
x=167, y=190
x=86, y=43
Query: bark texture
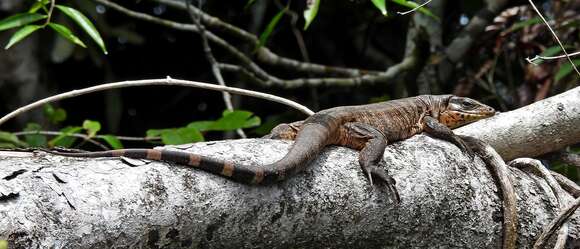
x=545, y=126
x=447, y=201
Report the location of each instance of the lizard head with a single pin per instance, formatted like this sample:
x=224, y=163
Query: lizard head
x=461, y=111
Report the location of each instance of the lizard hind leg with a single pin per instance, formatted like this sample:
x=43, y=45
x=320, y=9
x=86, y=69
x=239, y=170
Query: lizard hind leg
x=371, y=143
x=285, y=131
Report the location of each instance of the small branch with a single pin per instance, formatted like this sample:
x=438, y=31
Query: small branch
x=538, y=169
x=538, y=57
x=158, y=82
x=242, y=70
x=212, y=61
x=267, y=79
x=49, y=13
x=414, y=9
x=555, y=37
x=264, y=54
x=58, y=133
x=562, y=218
x=567, y=184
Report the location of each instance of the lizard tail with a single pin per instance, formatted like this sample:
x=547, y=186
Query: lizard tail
x=309, y=142
x=249, y=174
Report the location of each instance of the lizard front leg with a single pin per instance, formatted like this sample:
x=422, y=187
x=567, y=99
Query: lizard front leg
x=371, y=143
x=438, y=130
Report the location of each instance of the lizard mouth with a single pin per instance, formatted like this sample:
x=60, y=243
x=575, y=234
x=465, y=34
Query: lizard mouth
x=453, y=119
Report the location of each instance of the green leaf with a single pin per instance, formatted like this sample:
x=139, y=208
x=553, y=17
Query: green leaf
x=65, y=140
x=3, y=244
x=7, y=137
x=381, y=5
x=113, y=141
x=233, y=120
x=38, y=5
x=85, y=24
x=201, y=125
x=412, y=5
x=248, y=4
x=551, y=51
x=181, y=136
x=7, y=146
x=520, y=25
x=35, y=140
x=566, y=69
x=66, y=33
x=19, y=20
x=268, y=31
x=252, y=122
x=92, y=127
x=21, y=34
x=55, y=116
x=310, y=12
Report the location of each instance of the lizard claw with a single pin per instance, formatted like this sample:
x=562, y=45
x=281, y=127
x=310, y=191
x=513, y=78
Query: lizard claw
x=464, y=147
x=384, y=178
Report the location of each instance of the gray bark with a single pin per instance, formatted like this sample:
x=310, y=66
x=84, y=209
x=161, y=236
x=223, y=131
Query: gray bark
x=545, y=126
x=447, y=201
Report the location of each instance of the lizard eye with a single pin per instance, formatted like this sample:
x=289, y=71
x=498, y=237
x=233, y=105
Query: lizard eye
x=467, y=104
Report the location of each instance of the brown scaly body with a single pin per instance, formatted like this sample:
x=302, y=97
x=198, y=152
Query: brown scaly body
x=367, y=128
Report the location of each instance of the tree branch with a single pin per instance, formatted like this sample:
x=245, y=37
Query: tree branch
x=264, y=54
x=542, y=127
x=448, y=200
x=154, y=82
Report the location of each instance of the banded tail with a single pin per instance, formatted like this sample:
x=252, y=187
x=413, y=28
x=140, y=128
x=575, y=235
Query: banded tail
x=301, y=153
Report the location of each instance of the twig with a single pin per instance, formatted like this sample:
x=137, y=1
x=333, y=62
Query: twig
x=247, y=62
x=538, y=169
x=555, y=37
x=264, y=54
x=556, y=223
x=414, y=9
x=267, y=79
x=538, y=57
x=242, y=70
x=49, y=13
x=159, y=82
x=294, y=17
x=567, y=184
x=212, y=61
x=58, y=133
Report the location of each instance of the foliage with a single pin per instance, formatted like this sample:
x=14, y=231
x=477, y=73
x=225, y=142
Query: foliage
x=69, y=136
x=312, y=9
x=191, y=133
x=266, y=34
x=25, y=21
x=517, y=33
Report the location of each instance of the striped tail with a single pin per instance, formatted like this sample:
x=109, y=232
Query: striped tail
x=240, y=173
x=309, y=143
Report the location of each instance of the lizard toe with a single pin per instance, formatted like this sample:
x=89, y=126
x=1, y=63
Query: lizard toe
x=383, y=177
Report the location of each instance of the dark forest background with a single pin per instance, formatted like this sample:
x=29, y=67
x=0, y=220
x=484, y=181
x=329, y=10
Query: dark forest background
x=349, y=34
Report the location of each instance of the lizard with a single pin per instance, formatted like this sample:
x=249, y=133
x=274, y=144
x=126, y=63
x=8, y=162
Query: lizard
x=366, y=128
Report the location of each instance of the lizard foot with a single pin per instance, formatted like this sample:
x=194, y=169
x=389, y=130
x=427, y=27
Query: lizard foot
x=383, y=177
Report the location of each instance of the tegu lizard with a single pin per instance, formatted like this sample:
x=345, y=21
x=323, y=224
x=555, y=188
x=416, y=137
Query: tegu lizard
x=367, y=128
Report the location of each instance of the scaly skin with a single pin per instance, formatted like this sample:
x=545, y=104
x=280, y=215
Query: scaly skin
x=368, y=128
